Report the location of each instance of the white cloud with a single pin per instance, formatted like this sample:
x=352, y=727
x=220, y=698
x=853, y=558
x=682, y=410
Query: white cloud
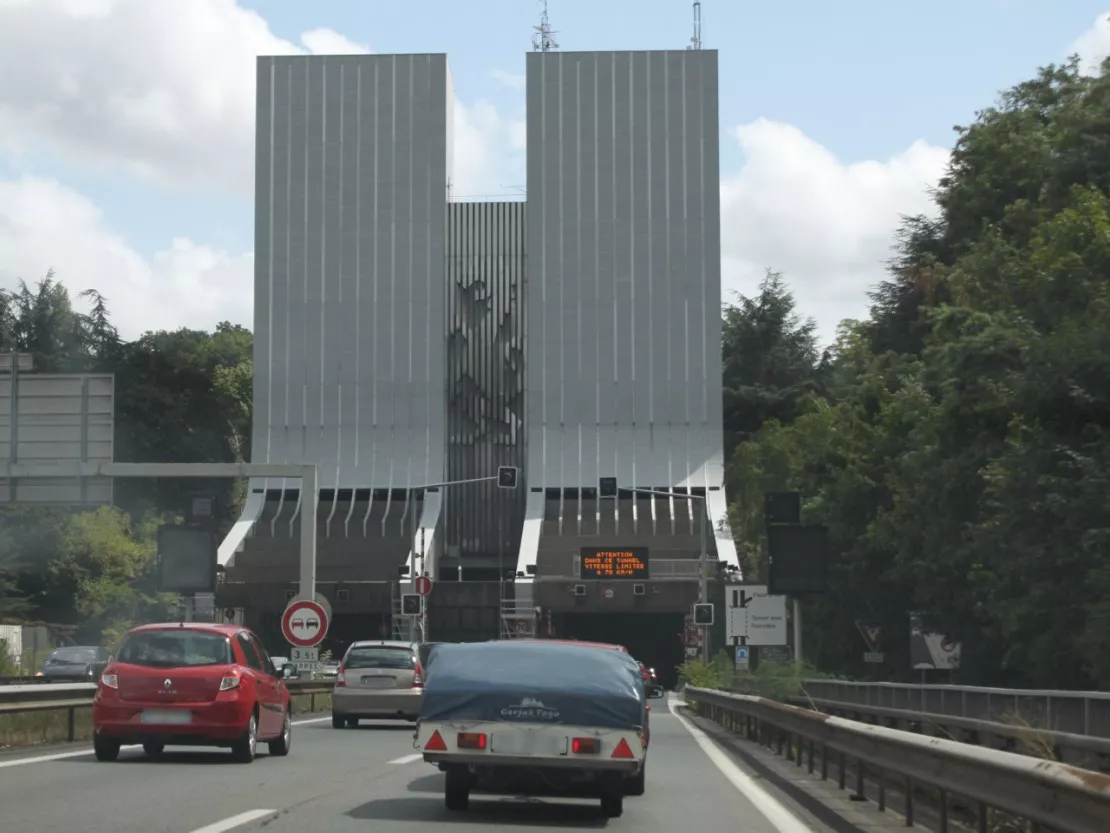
x=164, y=90
x=512, y=80
x=827, y=225
x=45, y=225
x=1093, y=46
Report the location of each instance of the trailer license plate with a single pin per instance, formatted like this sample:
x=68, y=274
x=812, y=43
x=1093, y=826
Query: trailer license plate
x=528, y=743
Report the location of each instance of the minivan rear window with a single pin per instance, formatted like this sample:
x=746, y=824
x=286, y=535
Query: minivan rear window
x=176, y=648
x=380, y=657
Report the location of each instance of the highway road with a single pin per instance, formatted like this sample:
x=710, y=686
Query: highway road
x=352, y=781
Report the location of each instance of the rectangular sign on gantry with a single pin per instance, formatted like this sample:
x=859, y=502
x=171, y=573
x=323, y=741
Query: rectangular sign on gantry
x=754, y=616
x=58, y=420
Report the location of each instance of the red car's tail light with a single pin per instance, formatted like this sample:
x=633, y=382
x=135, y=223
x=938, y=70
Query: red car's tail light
x=471, y=740
x=435, y=743
x=418, y=677
x=228, y=683
x=585, y=746
x=109, y=681
x=623, y=750
x=341, y=677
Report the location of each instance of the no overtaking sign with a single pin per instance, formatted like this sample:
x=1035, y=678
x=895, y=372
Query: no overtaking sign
x=304, y=623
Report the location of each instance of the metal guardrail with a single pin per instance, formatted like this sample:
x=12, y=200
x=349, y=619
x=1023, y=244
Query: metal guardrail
x=1070, y=712
x=69, y=698
x=83, y=692
x=1085, y=751
x=1062, y=797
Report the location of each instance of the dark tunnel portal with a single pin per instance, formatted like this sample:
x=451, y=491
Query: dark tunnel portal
x=655, y=639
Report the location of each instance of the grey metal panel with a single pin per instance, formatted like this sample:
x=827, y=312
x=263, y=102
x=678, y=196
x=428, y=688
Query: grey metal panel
x=623, y=298
x=352, y=166
x=485, y=273
x=57, y=419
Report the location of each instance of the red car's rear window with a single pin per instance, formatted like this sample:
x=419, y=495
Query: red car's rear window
x=175, y=648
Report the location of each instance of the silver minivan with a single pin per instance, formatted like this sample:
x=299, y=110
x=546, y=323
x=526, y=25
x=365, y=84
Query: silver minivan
x=377, y=680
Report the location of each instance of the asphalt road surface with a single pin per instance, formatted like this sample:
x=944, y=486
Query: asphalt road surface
x=354, y=781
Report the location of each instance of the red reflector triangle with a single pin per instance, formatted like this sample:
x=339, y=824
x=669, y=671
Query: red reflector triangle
x=622, y=750
x=435, y=743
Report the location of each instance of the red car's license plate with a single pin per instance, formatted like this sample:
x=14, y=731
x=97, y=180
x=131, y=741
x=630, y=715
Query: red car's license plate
x=166, y=717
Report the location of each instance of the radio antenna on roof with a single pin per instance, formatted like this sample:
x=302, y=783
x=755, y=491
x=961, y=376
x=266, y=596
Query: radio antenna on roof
x=695, y=41
x=544, y=38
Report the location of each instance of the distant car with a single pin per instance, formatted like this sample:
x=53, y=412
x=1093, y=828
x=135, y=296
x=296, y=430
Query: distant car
x=195, y=684
x=377, y=680
x=83, y=663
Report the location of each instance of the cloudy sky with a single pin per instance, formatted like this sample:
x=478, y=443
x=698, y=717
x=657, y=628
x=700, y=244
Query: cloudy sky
x=126, y=126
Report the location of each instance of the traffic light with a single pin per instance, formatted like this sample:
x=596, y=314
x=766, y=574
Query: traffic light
x=410, y=604
x=506, y=477
x=607, y=487
x=703, y=614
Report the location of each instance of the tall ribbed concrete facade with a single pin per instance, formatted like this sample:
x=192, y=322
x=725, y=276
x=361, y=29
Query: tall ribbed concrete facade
x=402, y=339
x=485, y=381
x=623, y=303
x=353, y=160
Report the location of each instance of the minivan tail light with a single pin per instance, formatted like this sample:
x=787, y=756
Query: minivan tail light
x=109, y=681
x=228, y=683
x=341, y=677
x=418, y=677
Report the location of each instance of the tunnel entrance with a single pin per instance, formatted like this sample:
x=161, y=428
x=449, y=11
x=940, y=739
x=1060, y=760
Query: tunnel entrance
x=655, y=639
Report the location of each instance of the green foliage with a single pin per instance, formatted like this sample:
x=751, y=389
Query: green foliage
x=181, y=397
x=714, y=674
x=959, y=451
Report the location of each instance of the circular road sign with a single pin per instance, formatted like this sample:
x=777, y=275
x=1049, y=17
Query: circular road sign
x=422, y=585
x=304, y=623
x=609, y=592
x=523, y=626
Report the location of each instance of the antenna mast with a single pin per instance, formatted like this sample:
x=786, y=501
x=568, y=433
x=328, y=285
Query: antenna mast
x=695, y=41
x=544, y=38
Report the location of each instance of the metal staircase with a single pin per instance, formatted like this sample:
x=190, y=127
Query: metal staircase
x=400, y=625
x=518, y=616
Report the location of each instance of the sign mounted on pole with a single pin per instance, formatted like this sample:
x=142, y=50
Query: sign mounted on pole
x=304, y=623
x=873, y=638
x=755, y=616
x=742, y=658
x=422, y=586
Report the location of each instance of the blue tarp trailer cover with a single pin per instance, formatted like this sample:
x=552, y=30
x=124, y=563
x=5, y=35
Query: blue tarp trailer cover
x=534, y=683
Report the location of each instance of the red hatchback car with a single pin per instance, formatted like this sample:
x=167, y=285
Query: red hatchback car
x=191, y=684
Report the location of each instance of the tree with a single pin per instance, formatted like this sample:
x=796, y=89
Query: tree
x=769, y=358
x=108, y=565
x=961, y=453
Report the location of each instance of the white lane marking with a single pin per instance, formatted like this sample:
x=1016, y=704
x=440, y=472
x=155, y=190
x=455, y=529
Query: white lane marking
x=408, y=759
x=61, y=756
x=234, y=821
x=42, y=759
x=773, y=810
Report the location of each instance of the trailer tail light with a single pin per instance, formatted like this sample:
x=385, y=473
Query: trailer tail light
x=623, y=750
x=585, y=746
x=341, y=677
x=418, y=677
x=471, y=740
x=435, y=743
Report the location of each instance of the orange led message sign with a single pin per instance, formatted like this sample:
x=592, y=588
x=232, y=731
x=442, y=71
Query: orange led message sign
x=603, y=563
